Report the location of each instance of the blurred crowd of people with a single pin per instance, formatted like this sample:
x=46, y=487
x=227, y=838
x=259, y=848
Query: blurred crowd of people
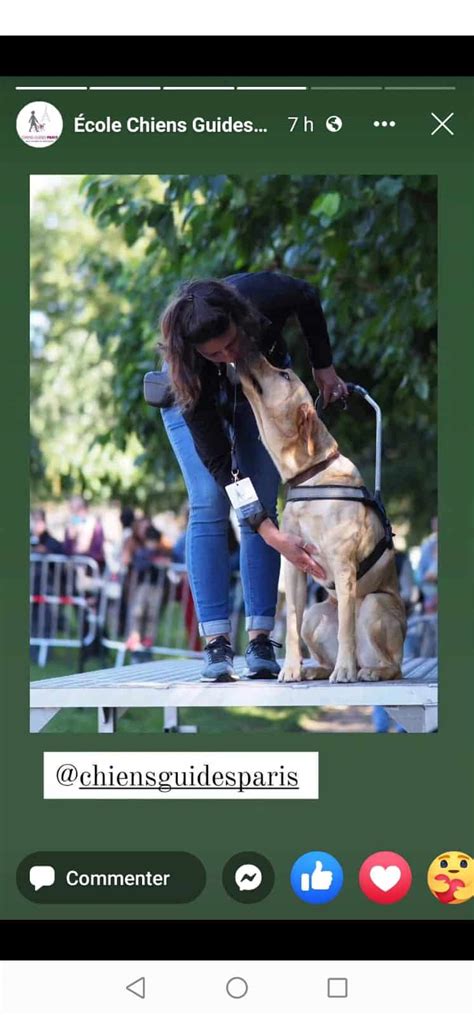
x=139, y=547
x=132, y=550
x=419, y=591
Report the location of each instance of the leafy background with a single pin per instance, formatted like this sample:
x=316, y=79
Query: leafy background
x=108, y=252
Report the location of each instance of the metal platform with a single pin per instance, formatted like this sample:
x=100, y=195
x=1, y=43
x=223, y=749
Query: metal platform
x=175, y=683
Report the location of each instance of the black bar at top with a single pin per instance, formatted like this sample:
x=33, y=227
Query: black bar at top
x=123, y=57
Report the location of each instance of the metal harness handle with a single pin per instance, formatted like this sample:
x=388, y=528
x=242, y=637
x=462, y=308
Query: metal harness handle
x=359, y=390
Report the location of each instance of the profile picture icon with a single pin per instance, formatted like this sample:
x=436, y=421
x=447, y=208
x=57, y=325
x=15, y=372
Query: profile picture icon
x=39, y=124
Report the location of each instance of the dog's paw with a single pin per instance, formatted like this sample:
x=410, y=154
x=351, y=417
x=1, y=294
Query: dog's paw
x=344, y=674
x=315, y=673
x=291, y=672
x=378, y=673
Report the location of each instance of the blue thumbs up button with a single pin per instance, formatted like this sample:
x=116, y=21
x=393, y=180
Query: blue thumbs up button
x=316, y=878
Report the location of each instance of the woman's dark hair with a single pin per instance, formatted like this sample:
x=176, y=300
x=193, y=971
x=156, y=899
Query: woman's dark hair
x=202, y=309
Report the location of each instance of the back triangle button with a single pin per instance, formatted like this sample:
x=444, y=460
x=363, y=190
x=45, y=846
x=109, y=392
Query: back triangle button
x=137, y=987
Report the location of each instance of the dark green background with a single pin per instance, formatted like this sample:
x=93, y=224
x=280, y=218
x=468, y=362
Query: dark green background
x=409, y=794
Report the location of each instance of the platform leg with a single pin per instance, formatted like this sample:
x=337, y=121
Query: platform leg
x=415, y=718
x=107, y=720
x=171, y=722
x=39, y=717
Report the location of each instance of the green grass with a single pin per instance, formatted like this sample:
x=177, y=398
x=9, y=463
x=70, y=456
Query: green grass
x=150, y=720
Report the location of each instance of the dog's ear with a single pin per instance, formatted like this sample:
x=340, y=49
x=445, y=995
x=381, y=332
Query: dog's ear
x=305, y=420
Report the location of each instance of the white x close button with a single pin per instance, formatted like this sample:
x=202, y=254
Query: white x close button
x=442, y=123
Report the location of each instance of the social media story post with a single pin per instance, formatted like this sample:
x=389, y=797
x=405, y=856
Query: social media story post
x=233, y=518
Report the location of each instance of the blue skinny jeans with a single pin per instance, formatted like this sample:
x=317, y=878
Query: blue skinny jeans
x=207, y=552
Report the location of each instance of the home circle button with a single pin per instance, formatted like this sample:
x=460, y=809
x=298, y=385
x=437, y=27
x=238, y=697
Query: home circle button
x=237, y=987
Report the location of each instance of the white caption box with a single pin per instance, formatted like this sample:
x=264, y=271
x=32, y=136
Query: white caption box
x=183, y=775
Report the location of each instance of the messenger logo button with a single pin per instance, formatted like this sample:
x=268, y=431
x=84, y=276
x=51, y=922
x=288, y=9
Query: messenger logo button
x=316, y=878
x=248, y=877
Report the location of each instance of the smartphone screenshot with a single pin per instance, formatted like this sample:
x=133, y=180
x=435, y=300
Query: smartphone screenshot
x=236, y=617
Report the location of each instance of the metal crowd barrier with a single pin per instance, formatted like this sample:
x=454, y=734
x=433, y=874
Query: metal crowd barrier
x=422, y=635
x=171, y=611
x=176, y=625
x=72, y=604
x=63, y=591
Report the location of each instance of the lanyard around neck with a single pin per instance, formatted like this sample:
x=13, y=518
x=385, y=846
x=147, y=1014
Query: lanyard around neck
x=234, y=466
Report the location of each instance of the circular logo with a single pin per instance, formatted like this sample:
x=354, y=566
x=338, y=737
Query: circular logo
x=39, y=124
x=316, y=878
x=333, y=123
x=248, y=877
x=385, y=877
x=451, y=878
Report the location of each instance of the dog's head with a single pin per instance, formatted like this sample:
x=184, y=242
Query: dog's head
x=288, y=423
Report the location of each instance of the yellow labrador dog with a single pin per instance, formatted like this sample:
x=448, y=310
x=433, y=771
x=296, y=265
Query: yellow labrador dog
x=358, y=632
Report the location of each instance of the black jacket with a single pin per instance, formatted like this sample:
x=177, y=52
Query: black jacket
x=277, y=297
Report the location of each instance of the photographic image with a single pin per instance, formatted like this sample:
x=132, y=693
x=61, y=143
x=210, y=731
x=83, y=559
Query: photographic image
x=233, y=521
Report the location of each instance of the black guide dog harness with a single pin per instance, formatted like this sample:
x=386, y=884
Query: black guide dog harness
x=357, y=493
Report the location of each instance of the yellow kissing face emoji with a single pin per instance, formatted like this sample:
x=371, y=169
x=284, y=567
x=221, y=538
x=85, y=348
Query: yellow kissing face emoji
x=451, y=878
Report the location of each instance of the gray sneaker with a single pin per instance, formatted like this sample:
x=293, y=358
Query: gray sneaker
x=260, y=658
x=219, y=666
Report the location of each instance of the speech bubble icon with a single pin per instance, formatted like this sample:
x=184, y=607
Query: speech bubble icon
x=248, y=877
x=42, y=877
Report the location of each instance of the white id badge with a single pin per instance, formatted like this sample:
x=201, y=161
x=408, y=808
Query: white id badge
x=242, y=494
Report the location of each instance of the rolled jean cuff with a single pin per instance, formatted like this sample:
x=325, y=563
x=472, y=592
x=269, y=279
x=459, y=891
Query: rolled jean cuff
x=259, y=623
x=211, y=627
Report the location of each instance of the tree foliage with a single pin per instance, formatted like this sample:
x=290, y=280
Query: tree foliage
x=105, y=270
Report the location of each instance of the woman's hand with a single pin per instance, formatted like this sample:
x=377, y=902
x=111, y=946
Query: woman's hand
x=294, y=548
x=301, y=554
x=330, y=385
